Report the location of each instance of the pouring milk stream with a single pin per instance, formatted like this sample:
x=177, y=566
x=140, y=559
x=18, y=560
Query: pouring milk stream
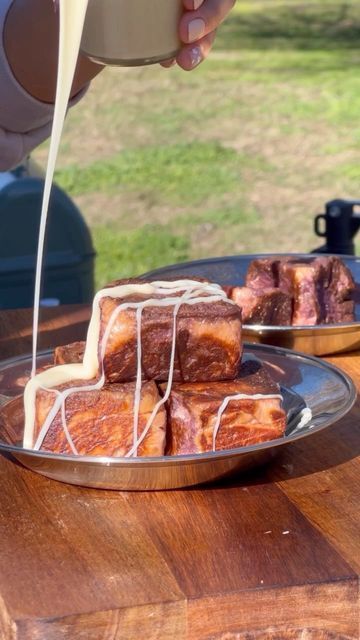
x=72, y=16
x=118, y=32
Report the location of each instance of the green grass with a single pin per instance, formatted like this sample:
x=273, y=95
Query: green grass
x=236, y=156
x=178, y=173
x=226, y=217
x=136, y=251
x=351, y=172
x=307, y=25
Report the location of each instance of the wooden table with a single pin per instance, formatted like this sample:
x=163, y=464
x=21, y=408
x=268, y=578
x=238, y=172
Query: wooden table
x=273, y=556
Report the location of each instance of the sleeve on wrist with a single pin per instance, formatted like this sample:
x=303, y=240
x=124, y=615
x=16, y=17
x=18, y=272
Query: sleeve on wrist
x=14, y=147
x=19, y=111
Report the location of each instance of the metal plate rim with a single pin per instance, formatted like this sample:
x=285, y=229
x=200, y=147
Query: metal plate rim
x=173, y=461
x=303, y=330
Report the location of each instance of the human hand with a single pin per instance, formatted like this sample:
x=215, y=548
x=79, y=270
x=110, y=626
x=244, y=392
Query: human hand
x=198, y=29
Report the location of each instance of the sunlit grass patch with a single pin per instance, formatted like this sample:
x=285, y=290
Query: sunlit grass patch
x=125, y=254
x=181, y=173
x=349, y=173
x=310, y=24
x=224, y=217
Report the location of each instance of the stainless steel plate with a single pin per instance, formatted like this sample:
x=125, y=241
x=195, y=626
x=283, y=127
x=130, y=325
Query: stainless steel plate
x=318, y=340
x=305, y=381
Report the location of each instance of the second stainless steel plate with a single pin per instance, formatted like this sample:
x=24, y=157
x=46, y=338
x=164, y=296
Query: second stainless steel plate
x=317, y=340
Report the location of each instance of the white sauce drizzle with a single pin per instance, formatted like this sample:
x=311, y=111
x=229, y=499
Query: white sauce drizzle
x=194, y=292
x=306, y=416
x=87, y=370
x=137, y=394
x=66, y=430
x=150, y=421
x=72, y=17
x=67, y=434
x=237, y=396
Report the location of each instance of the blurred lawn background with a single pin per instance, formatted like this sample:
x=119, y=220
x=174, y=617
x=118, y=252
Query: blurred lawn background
x=236, y=156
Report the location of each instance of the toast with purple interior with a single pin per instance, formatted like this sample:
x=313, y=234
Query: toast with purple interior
x=98, y=422
x=212, y=416
x=267, y=306
x=207, y=334
x=321, y=288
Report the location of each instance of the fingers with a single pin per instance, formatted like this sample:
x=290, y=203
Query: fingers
x=198, y=29
x=191, y=55
x=198, y=23
x=168, y=63
x=192, y=5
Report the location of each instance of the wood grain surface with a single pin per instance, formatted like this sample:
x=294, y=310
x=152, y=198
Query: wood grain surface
x=57, y=326
x=274, y=555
